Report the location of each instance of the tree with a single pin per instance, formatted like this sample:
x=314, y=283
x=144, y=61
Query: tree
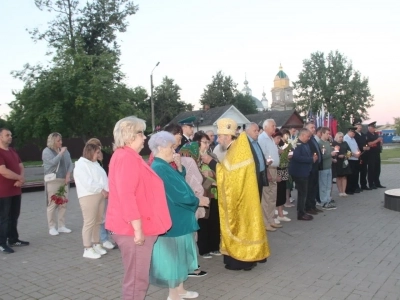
x=397, y=125
x=80, y=93
x=167, y=102
x=222, y=91
x=332, y=83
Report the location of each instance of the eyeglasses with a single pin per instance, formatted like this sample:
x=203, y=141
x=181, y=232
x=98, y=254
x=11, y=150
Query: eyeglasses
x=206, y=142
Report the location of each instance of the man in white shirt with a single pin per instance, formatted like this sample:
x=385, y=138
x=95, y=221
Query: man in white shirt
x=271, y=154
x=352, y=179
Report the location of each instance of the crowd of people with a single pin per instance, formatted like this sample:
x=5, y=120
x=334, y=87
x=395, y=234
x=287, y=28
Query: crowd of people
x=196, y=195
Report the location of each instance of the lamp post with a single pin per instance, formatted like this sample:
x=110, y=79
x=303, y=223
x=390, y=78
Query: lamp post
x=151, y=98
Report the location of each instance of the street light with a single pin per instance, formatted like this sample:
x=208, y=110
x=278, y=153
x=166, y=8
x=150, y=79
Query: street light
x=151, y=98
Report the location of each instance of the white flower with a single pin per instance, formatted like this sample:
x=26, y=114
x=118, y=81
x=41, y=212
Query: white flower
x=293, y=142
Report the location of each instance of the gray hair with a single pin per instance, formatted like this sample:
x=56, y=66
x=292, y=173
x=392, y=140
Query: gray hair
x=248, y=126
x=126, y=130
x=51, y=139
x=160, y=139
x=210, y=131
x=303, y=131
x=338, y=135
x=267, y=122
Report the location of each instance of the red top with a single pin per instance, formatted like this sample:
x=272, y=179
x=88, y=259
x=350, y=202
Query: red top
x=135, y=192
x=11, y=160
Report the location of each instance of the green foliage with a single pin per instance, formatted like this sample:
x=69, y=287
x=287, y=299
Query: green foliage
x=397, y=125
x=223, y=91
x=331, y=81
x=167, y=102
x=80, y=94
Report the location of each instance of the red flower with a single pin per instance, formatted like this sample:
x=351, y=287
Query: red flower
x=59, y=197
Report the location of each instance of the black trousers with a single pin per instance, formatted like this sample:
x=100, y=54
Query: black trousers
x=363, y=170
x=352, y=179
x=10, y=208
x=302, y=188
x=312, y=189
x=208, y=236
x=374, y=169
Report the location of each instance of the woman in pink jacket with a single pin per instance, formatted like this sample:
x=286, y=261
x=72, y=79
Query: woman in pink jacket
x=137, y=209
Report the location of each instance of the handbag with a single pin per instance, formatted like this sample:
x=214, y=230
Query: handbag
x=51, y=176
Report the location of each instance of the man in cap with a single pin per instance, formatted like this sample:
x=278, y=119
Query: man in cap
x=361, y=140
x=243, y=237
x=187, y=128
x=375, y=142
x=352, y=179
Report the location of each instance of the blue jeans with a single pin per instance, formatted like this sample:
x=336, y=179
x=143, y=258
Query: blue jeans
x=103, y=230
x=325, y=185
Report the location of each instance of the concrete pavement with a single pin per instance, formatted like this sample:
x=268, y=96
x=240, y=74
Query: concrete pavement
x=350, y=253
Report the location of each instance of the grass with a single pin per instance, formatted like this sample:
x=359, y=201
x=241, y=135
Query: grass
x=390, y=156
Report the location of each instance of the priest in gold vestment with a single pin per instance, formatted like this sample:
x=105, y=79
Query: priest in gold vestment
x=243, y=235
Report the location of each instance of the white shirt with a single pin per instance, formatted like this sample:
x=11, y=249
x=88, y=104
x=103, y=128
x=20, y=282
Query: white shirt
x=90, y=178
x=269, y=148
x=353, y=146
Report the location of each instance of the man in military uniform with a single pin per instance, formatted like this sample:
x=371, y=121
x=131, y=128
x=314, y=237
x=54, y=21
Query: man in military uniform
x=361, y=140
x=187, y=128
x=374, y=159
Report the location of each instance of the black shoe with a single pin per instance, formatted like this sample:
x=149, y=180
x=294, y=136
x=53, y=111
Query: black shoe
x=18, y=243
x=365, y=188
x=228, y=267
x=358, y=190
x=200, y=274
x=263, y=261
x=305, y=217
x=6, y=249
x=373, y=187
x=381, y=186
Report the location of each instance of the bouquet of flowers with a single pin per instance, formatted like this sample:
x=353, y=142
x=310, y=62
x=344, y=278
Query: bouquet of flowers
x=293, y=142
x=59, y=197
x=348, y=154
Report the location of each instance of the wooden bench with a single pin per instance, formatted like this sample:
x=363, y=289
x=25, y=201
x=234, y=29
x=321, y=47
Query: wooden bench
x=392, y=199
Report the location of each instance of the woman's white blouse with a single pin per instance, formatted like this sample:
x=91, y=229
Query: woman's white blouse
x=90, y=178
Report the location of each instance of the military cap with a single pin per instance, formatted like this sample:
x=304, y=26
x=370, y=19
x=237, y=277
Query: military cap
x=373, y=124
x=188, y=121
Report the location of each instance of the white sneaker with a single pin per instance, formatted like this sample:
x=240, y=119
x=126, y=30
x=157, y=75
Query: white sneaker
x=277, y=221
x=99, y=249
x=53, y=231
x=284, y=219
x=284, y=212
x=292, y=200
x=64, y=229
x=108, y=245
x=91, y=253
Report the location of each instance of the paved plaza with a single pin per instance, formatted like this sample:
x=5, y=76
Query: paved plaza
x=351, y=253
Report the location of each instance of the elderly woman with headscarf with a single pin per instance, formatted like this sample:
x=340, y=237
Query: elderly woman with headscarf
x=137, y=208
x=174, y=254
x=57, y=161
x=209, y=232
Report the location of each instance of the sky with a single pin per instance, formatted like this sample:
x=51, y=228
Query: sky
x=193, y=40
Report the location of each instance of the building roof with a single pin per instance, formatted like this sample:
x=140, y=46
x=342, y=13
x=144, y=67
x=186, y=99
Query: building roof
x=281, y=117
x=209, y=116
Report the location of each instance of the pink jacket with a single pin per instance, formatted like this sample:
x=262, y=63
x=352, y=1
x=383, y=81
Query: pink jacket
x=136, y=192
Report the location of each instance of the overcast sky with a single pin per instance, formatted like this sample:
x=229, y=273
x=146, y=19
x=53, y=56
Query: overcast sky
x=192, y=40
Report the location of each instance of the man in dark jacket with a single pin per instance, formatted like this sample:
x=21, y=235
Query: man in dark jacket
x=313, y=187
x=361, y=140
x=300, y=168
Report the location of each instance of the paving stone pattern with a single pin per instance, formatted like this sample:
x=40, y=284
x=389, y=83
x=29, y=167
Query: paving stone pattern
x=350, y=253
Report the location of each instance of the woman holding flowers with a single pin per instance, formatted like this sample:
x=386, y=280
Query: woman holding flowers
x=281, y=139
x=92, y=189
x=57, y=160
x=342, y=164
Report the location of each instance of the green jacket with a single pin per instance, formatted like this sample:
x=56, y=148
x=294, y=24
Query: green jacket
x=326, y=151
x=182, y=202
